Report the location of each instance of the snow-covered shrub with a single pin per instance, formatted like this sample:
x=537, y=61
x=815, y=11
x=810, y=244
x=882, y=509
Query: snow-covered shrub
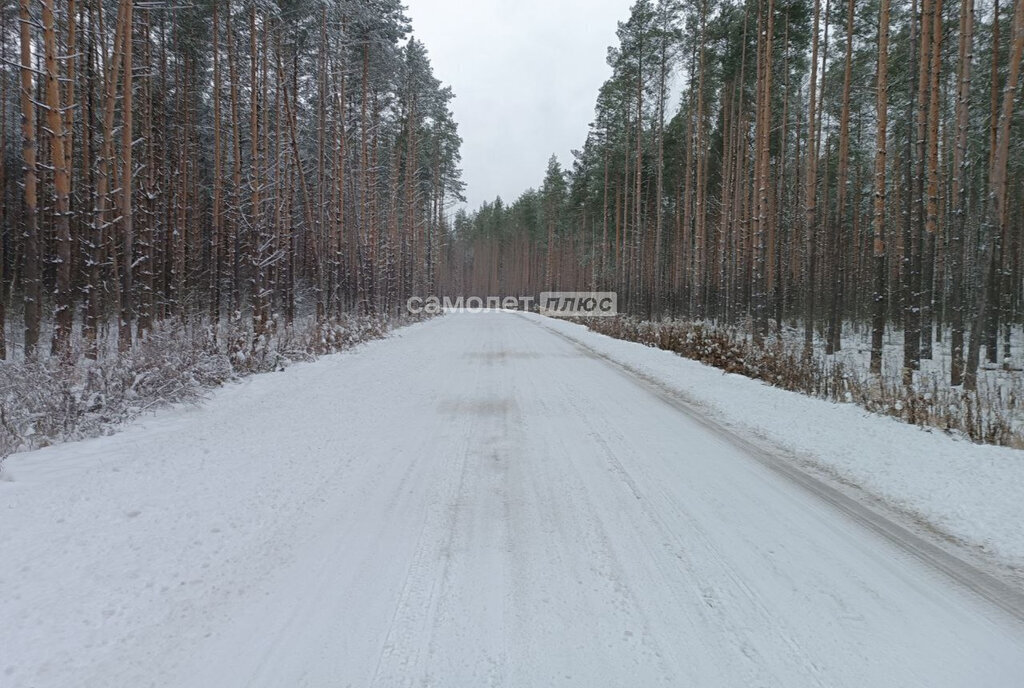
x=46, y=401
x=990, y=415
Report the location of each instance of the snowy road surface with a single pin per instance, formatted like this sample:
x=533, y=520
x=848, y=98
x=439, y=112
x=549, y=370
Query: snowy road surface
x=473, y=502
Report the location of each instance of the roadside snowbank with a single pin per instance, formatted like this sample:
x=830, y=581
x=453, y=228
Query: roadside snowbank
x=46, y=402
x=120, y=554
x=969, y=492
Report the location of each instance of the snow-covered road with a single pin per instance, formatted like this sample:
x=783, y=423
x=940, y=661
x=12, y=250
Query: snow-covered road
x=473, y=502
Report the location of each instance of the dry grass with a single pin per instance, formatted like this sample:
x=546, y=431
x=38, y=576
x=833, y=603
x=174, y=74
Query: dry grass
x=990, y=415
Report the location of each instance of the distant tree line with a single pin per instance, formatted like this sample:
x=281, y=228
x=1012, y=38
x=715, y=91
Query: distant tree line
x=800, y=163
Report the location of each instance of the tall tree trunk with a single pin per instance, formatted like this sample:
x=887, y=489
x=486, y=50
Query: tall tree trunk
x=991, y=322
x=634, y=294
x=63, y=296
x=233, y=239
x=839, y=254
x=124, y=339
x=218, y=182
x=961, y=172
x=878, y=253
x=657, y=287
x=762, y=182
x=996, y=218
x=31, y=282
x=4, y=209
x=811, y=188
x=932, y=217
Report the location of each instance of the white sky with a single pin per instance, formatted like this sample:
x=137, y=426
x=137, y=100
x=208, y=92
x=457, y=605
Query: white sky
x=525, y=75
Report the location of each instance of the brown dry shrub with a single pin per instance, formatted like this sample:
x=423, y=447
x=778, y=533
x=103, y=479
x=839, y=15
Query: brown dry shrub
x=986, y=416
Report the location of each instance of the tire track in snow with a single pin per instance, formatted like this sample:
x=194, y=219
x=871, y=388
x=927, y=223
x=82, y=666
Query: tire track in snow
x=709, y=591
x=983, y=584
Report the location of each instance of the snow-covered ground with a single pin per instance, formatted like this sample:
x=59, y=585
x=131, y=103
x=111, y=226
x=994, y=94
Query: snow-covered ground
x=969, y=492
x=479, y=501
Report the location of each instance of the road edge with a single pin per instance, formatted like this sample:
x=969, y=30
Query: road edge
x=986, y=584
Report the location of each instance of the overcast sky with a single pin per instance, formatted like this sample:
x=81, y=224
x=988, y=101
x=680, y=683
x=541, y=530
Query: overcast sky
x=525, y=75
